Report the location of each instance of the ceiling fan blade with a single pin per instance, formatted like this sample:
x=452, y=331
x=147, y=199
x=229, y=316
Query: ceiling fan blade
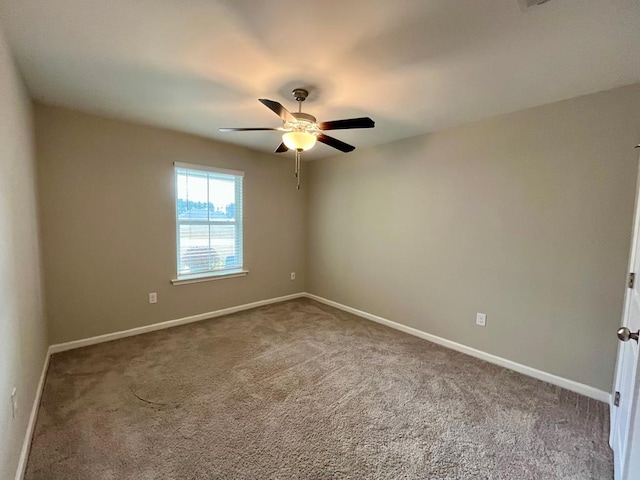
x=362, y=122
x=335, y=143
x=278, y=109
x=245, y=129
x=281, y=148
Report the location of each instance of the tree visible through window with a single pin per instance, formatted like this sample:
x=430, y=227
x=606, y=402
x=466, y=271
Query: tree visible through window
x=208, y=220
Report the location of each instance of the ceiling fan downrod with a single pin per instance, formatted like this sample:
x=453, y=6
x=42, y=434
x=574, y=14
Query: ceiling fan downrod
x=300, y=94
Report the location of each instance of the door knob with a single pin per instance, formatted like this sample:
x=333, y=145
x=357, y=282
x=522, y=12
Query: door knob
x=624, y=334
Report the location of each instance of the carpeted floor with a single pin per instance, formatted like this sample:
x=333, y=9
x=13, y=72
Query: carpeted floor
x=299, y=390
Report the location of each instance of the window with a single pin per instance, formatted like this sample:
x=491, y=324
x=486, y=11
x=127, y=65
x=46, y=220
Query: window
x=208, y=222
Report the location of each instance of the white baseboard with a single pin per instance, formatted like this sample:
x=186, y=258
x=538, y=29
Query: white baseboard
x=503, y=362
x=26, y=445
x=61, y=347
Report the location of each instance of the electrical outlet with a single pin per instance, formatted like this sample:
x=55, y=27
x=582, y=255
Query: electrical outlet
x=293, y=275
x=153, y=297
x=14, y=402
x=481, y=319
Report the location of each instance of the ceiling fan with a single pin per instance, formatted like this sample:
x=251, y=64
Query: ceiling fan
x=302, y=131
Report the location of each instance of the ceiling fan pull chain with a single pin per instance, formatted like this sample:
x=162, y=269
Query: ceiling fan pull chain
x=298, y=168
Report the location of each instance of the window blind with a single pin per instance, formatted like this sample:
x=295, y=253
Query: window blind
x=208, y=220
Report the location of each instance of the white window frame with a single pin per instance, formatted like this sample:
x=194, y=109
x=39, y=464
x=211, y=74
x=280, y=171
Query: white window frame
x=239, y=238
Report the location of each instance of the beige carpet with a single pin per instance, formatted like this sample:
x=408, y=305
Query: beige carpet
x=299, y=390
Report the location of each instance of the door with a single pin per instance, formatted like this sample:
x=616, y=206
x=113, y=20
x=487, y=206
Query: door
x=625, y=417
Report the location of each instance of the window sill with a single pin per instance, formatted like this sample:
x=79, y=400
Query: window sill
x=209, y=277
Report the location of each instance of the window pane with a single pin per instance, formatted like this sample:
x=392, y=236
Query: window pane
x=192, y=195
x=195, y=255
x=221, y=197
x=223, y=240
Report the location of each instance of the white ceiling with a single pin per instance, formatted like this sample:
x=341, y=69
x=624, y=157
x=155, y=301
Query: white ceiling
x=414, y=66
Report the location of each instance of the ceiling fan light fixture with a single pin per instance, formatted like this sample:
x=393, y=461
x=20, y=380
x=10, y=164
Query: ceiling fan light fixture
x=299, y=140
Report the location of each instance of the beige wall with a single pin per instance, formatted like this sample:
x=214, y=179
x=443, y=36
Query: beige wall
x=22, y=324
x=526, y=217
x=108, y=224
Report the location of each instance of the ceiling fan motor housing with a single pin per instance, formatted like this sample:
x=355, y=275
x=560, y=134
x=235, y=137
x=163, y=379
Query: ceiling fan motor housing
x=304, y=117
